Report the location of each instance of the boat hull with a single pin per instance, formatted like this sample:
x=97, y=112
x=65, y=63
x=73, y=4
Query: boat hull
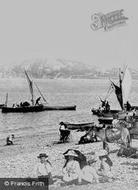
x=36, y=109
x=134, y=107
x=79, y=126
x=103, y=113
x=105, y=120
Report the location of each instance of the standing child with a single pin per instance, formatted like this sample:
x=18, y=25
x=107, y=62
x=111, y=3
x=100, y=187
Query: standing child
x=9, y=139
x=44, y=168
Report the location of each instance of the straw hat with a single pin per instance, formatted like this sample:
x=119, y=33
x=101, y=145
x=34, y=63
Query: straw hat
x=71, y=153
x=42, y=155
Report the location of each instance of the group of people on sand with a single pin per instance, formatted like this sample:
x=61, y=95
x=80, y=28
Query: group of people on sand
x=76, y=169
x=64, y=133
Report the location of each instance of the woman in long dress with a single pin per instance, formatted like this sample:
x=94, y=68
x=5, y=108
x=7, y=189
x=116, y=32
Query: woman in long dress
x=76, y=168
x=71, y=169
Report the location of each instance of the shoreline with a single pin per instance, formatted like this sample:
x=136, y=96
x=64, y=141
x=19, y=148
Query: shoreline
x=19, y=160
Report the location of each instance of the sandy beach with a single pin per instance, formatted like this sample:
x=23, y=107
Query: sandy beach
x=19, y=160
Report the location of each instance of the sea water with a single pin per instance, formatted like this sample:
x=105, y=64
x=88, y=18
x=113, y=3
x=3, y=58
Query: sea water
x=84, y=93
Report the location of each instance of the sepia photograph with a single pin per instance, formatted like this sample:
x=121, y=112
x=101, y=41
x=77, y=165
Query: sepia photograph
x=68, y=94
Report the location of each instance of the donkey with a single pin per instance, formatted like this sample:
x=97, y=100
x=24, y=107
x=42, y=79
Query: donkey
x=120, y=134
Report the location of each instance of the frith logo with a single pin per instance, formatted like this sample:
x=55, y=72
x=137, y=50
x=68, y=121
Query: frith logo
x=108, y=21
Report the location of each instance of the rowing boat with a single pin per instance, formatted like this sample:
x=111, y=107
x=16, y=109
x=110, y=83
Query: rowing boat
x=78, y=126
x=98, y=112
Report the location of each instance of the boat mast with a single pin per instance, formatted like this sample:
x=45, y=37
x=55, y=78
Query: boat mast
x=121, y=91
x=6, y=101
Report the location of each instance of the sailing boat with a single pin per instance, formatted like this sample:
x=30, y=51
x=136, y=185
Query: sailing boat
x=122, y=92
x=34, y=107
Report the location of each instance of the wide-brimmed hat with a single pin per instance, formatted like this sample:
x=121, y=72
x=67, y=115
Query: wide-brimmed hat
x=42, y=155
x=71, y=153
x=61, y=123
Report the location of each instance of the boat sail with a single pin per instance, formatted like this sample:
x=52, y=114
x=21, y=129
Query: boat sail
x=122, y=90
x=126, y=85
x=30, y=82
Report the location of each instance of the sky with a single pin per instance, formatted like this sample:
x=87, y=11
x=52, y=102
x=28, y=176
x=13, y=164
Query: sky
x=60, y=29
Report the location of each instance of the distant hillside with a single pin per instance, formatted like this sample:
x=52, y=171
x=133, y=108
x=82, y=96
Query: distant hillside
x=60, y=68
x=57, y=69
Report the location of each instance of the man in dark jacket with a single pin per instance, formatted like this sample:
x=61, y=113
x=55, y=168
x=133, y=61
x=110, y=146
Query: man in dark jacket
x=64, y=132
x=37, y=101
